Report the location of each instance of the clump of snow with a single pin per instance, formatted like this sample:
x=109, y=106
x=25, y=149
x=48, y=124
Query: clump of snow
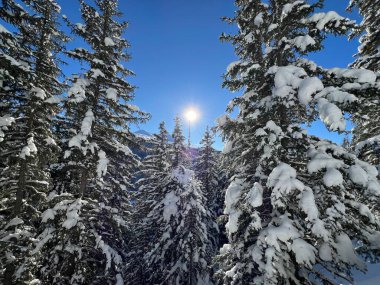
x=5, y=122
x=323, y=19
x=325, y=252
x=361, y=75
x=332, y=177
x=87, y=123
x=111, y=93
x=255, y=195
x=14, y=222
x=231, y=198
x=285, y=232
x=38, y=92
x=29, y=149
x=170, y=205
x=307, y=204
x=109, y=42
x=358, y=175
x=307, y=88
x=331, y=115
x=283, y=180
x=72, y=214
x=101, y=169
x=77, y=91
x=95, y=73
x=258, y=20
x=109, y=252
x=333, y=94
x=232, y=65
x=320, y=159
x=345, y=251
x=305, y=252
x=119, y=280
x=183, y=175
x=287, y=79
x=49, y=214
x=303, y=42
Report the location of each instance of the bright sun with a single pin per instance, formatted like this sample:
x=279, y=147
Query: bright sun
x=191, y=115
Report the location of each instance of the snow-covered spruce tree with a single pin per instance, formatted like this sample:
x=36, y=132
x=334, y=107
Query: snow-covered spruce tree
x=86, y=230
x=178, y=148
x=366, y=134
x=207, y=171
x=296, y=203
x=154, y=170
x=29, y=71
x=181, y=252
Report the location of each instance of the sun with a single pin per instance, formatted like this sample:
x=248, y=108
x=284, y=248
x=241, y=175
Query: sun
x=191, y=114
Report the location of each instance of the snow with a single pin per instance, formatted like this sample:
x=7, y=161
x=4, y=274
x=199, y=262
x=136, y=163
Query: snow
x=111, y=94
x=96, y=73
x=284, y=232
x=103, y=161
x=307, y=204
x=72, y=214
x=14, y=222
x=119, y=280
x=49, y=214
x=80, y=27
x=5, y=122
x=332, y=177
x=87, y=123
x=38, y=92
x=345, y=251
x=233, y=193
x=304, y=252
x=303, y=42
x=333, y=94
x=287, y=78
x=110, y=253
x=255, y=195
x=331, y=115
x=109, y=42
x=283, y=180
x=323, y=19
x=321, y=160
x=183, y=175
x=358, y=175
x=170, y=205
x=307, y=88
x=325, y=252
x=258, y=20
x=78, y=90
x=29, y=149
x=361, y=75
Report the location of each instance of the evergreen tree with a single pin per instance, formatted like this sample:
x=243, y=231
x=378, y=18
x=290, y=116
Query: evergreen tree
x=207, y=172
x=155, y=169
x=181, y=253
x=86, y=229
x=29, y=72
x=295, y=202
x=367, y=130
x=178, y=147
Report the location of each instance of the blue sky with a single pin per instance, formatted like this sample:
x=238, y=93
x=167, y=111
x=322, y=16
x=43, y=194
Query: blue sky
x=179, y=60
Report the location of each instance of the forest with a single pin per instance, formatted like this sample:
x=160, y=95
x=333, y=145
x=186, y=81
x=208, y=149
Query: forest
x=84, y=199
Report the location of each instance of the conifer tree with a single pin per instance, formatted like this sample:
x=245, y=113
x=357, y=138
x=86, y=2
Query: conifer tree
x=366, y=134
x=178, y=147
x=181, y=252
x=29, y=72
x=295, y=202
x=155, y=168
x=86, y=228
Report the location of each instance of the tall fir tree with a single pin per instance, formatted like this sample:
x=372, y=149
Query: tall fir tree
x=295, y=203
x=181, y=252
x=29, y=83
x=86, y=231
x=366, y=134
x=207, y=172
x=178, y=148
x=154, y=170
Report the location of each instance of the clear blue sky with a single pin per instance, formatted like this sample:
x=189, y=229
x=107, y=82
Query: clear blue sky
x=179, y=60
